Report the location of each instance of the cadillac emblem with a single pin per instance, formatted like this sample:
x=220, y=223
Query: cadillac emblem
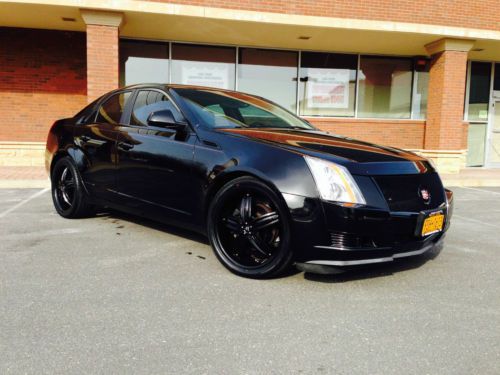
x=425, y=195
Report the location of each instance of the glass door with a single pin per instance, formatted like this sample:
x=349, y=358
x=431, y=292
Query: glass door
x=493, y=140
x=476, y=143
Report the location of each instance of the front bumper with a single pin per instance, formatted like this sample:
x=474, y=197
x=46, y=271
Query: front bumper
x=363, y=257
x=340, y=236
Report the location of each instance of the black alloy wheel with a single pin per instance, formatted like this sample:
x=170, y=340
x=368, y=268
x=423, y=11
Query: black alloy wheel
x=249, y=229
x=68, y=194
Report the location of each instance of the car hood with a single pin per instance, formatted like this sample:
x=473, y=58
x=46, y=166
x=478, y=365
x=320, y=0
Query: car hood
x=358, y=156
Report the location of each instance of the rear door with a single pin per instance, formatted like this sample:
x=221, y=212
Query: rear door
x=97, y=139
x=154, y=164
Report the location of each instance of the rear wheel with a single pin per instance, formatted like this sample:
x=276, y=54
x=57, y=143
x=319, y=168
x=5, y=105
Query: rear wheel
x=68, y=194
x=249, y=229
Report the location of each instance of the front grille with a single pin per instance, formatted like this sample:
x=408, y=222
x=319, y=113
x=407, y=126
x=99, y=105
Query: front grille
x=402, y=192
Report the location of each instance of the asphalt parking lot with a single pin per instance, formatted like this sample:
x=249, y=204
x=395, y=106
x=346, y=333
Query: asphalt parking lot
x=117, y=294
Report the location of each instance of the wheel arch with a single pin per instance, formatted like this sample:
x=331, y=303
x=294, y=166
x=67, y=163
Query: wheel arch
x=75, y=154
x=223, y=178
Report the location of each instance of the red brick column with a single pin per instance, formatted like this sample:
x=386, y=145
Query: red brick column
x=102, y=51
x=444, y=131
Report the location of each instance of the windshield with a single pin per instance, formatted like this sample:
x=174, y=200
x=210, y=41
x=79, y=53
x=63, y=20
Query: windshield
x=228, y=109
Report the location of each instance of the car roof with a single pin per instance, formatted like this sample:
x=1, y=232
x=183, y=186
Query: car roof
x=164, y=86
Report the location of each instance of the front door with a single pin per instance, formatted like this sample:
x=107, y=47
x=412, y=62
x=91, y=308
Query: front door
x=153, y=163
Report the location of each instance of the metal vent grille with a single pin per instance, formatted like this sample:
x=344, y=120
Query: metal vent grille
x=343, y=240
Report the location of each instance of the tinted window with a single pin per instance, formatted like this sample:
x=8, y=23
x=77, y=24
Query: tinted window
x=84, y=115
x=219, y=109
x=111, y=111
x=149, y=101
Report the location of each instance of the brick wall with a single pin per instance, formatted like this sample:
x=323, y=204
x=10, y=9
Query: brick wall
x=445, y=129
x=102, y=60
x=397, y=133
x=42, y=78
x=482, y=14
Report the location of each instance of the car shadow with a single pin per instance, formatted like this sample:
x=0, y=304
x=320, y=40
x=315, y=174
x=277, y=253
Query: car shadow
x=376, y=270
x=109, y=214
x=339, y=275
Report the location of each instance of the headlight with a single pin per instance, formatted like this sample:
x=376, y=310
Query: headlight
x=334, y=182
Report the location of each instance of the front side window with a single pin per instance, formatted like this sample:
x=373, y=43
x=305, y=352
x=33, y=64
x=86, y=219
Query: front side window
x=203, y=65
x=385, y=85
x=149, y=101
x=223, y=109
x=111, y=110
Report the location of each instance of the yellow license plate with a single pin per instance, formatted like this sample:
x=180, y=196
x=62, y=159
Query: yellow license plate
x=433, y=224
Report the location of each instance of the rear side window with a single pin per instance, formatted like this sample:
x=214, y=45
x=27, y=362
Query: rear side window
x=149, y=101
x=111, y=110
x=84, y=115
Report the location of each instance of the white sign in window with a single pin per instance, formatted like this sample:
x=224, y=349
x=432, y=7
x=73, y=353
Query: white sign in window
x=210, y=75
x=328, y=88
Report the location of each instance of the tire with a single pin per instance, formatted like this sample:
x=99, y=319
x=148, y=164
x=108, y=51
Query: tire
x=68, y=193
x=249, y=229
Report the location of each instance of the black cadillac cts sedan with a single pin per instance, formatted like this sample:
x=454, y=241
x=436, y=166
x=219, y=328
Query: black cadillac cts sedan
x=267, y=188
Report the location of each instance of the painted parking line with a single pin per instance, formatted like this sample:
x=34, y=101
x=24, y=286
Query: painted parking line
x=482, y=190
x=22, y=203
x=455, y=216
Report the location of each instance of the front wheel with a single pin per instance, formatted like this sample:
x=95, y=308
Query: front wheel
x=249, y=229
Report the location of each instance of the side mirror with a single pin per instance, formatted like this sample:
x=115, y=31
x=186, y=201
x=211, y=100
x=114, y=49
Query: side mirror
x=164, y=119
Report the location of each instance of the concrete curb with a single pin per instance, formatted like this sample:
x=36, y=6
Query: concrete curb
x=24, y=184
x=470, y=183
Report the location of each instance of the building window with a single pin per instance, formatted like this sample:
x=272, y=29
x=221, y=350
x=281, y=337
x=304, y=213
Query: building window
x=385, y=86
x=143, y=62
x=203, y=65
x=479, y=91
x=269, y=73
x=496, y=81
x=420, y=88
x=327, y=84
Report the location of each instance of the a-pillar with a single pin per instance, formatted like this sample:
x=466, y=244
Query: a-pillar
x=102, y=51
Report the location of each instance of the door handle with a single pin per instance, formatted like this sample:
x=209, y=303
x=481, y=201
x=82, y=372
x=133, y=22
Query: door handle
x=125, y=146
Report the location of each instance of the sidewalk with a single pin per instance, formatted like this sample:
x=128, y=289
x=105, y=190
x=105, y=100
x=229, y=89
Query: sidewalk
x=23, y=177
x=473, y=177
x=36, y=177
